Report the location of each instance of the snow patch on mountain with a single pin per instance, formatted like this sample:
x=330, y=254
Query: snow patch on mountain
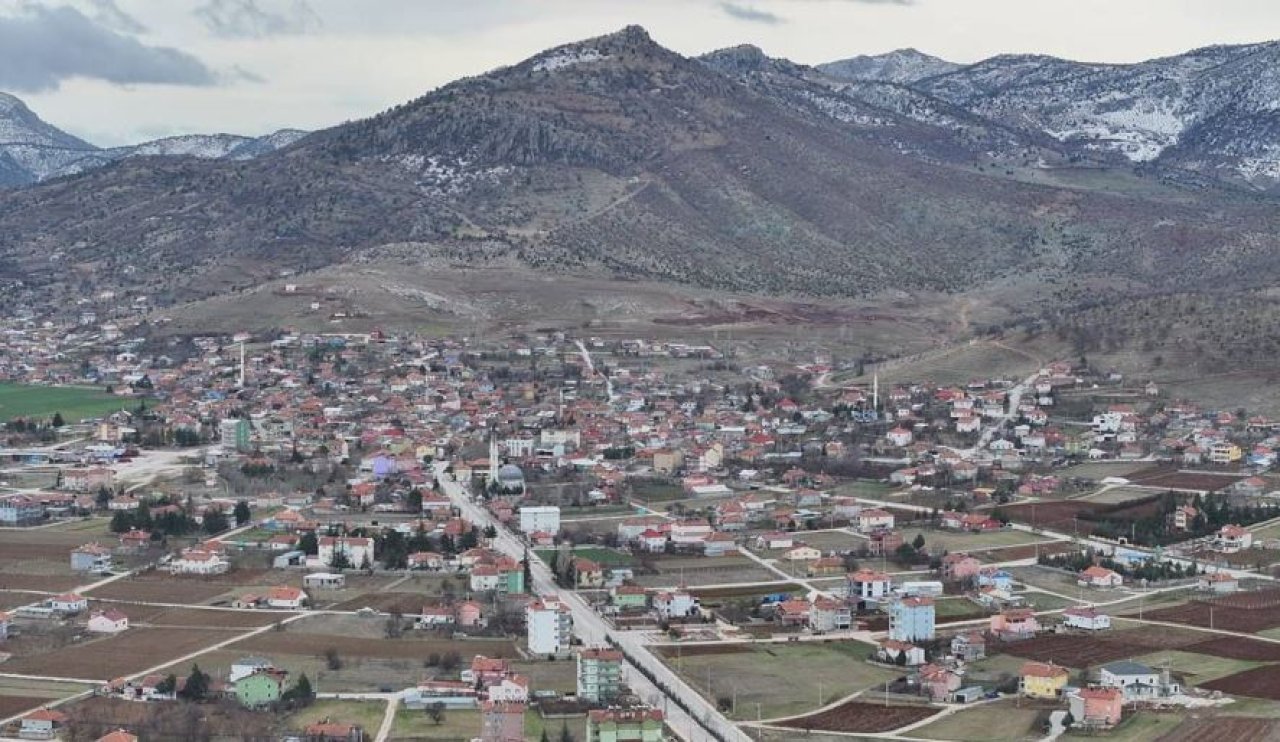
x=562, y=58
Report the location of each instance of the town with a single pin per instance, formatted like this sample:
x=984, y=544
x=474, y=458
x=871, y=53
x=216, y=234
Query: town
x=381, y=536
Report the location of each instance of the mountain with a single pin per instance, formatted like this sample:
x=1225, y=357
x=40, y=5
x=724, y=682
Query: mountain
x=901, y=66
x=615, y=157
x=1211, y=111
x=32, y=150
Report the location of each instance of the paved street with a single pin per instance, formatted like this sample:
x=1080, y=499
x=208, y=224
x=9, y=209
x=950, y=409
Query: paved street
x=592, y=629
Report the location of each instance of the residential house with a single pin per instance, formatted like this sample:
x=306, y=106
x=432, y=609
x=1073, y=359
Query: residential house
x=1014, y=624
x=199, y=560
x=625, y=725
x=1089, y=619
x=599, y=674
x=512, y=688
x=793, y=612
x=332, y=731
x=261, y=688
x=119, y=735
x=502, y=722
x=775, y=540
x=1232, y=538
x=959, y=567
x=92, y=557
x=1098, y=576
x=871, y=519
x=68, y=603
x=829, y=615
x=1043, y=679
x=1184, y=517
x=911, y=619
x=891, y=650
x=1218, y=582
x=883, y=541
x=628, y=597
x=587, y=574
x=938, y=682
x=549, y=626
x=802, y=553
x=670, y=604
x=246, y=666
x=352, y=551
x=110, y=621
x=867, y=585
x=41, y=724
x=1137, y=681
x=969, y=646
x=486, y=671
x=1096, y=708
x=287, y=598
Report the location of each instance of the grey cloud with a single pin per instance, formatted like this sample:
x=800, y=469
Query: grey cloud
x=106, y=13
x=752, y=15
x=40, y=47
x=250, y=19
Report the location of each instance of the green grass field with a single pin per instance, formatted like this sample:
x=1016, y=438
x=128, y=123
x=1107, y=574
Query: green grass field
x=603, y=557
x=954, y=541
x=1140, y=727
x=1196, y=668
x=75, y=403
x=1002, y=720
x=785, y=679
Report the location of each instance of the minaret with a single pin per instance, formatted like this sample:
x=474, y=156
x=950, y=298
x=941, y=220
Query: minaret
x=875, y=393
x=493, y=458
x=242, y=365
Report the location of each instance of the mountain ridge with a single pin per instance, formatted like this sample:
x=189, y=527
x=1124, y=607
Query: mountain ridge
x=614, y=156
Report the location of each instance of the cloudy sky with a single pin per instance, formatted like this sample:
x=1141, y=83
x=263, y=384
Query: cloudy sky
x=122, y=71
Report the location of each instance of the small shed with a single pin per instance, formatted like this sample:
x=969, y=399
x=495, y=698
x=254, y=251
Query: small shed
x=968, y=694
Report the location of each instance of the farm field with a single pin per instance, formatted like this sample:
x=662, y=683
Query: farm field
x=1143, y=726
x=98, y=715
x=368, y=714
x=829, y=541
x=695, y=571
x=712, y=594
x=1118, y=495
x=357, y=674
x=1234, y=728
x=1259, y=682
x=14, y=705
x=1172, y=478
x=999, y=720
x=1064, y=584
x=206, y=618
x=1079, y=651
x=953, y=541
x=1247, y=611
x=406, y=648
x=600, y=555
x=75, y=403
x=464, y=725
x=1015, y=553
x=1194, y=667
x=770, y=674
x=1098, y=470
x=132, y=651
x=856, y=716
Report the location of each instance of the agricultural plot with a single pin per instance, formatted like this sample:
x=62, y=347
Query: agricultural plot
x=1248, y=612
x=368, y=714
x=833, y=541
x=1140, y=727
x=1064, y=584
x=1030, y=551
x=1073, y=650
x=133, y=651
x=1098, y=470
x=698, y=571
x=407, y=647
x=1172, y=478
x=784, y=679
x=1234, y=728
x=1117, y=495
x=856, y=716
x=952, y=541
x=1194, y=667
x=14, y=705
x=1000, y=720
x=1260, y=682
x=600, y=555
x=74, y=403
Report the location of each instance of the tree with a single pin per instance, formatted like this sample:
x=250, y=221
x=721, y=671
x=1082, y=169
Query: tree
x=918, y=542
x=395, y=624
x=103, y=497
x=168, y=685
x=332, y=660
x=242, y=513
x=301, y=693
x=309, y=544
x=58, y=422
x=565, y=734
x=121, y=521
x=197, y=686
x=544, y=737
x=215, y=521
x=436, y=712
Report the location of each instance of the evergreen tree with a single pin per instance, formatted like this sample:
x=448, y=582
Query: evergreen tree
x=242, y=513
x=197, y=686
x=309, y=544
x=58, y=422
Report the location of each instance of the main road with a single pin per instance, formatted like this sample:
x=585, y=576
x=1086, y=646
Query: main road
x=594, y=631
